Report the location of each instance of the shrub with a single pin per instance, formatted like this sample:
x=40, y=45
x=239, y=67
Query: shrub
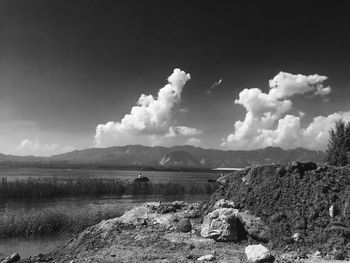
x=339, y=144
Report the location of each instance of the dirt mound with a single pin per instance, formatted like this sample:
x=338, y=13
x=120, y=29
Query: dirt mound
x=307, y=207
x=147, y=233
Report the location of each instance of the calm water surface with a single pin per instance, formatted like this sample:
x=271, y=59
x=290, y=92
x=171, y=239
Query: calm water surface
x=33, y=247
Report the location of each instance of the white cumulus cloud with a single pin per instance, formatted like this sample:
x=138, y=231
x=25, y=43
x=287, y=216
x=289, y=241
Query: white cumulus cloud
x=268, y=123
x=150, y=120
x=193, y=141
x=182, y=130
x=285, y=85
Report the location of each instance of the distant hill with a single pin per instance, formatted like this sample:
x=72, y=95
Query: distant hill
x=179, y=159
x=14, y=158
x=171, y=157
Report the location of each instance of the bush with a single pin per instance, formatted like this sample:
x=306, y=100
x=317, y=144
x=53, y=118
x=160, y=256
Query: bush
x=339, y=144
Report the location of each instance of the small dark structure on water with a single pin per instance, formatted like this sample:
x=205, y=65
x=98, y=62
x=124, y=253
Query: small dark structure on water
x=141, y=178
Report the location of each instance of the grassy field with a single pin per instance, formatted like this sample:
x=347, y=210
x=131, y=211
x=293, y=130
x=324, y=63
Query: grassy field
x=51, y=221
x=52, y=188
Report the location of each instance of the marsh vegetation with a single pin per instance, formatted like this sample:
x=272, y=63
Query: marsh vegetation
x=49, y=221
x=53, y=188
x=59, y=219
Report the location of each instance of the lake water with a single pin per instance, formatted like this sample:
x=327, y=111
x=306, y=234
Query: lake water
x=32, y=247
x=155, y=176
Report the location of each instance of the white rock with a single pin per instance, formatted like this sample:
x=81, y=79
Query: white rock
x=296, y=237
x=209, y=257
x=331, y=211
x=221, y=225
x=257, y=253
x=316, y=254
x=223, y=203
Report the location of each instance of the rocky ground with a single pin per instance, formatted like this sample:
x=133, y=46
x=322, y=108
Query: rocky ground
x=278, y=213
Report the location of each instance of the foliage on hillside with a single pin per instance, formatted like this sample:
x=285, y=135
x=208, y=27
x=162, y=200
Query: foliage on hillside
x=339, y=144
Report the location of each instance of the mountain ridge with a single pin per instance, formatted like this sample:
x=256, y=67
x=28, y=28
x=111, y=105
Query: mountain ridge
x=184, y=156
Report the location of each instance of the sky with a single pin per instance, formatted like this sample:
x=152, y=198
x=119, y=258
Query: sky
x=214, y=74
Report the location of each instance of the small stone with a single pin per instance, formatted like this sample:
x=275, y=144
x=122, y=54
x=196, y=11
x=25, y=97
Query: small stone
x=184, y=225
x=289, y=257
x=332, y=211
x=223, y=203
x=281, y=171
x=339, y=255
x=258, y=253
x=178, y=204
x=191, y=246
x=222, y=180
x=317, y=254
x=296, y=237
x=208, y=257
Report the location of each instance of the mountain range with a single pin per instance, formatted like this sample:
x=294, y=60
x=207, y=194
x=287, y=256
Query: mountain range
x=170, y=157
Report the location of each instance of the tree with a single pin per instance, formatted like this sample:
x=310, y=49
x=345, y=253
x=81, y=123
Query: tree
x=339, y=144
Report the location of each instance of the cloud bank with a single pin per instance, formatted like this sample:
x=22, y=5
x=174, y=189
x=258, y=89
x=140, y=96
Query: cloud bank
x=35, y=147
x=150, y=120
x=193, y=141
x=267, y=122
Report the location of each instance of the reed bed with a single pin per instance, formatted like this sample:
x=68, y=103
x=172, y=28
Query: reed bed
x=54, y=187
x=51, y=221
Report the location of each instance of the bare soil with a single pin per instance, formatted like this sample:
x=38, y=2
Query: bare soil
x=296, y=198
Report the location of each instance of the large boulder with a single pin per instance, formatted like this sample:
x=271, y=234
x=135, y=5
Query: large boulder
x=229, y=224
x=258, y=253
x=221, y=225
x=254, y=226
x=184, y=225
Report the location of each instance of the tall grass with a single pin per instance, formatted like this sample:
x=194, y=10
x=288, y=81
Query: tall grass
x=52, y=188
x=51, y=221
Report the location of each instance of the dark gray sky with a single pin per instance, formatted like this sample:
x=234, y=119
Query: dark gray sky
x=67, y=66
